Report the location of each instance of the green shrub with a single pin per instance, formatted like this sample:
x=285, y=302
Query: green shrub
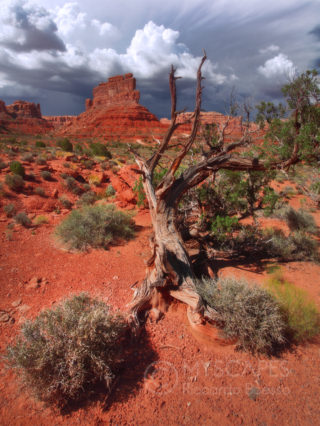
x=110, y=191
x=9, y=210
x=64, y=200
x=100, y=150
x=24, y=143
x=64, y=175
x=67, y=165
x=88, y=164
x=86, y=187
x=88, y=152
x=70, y=182
x=40, y=220
x=40, y=144
x=3, y=165
x=40, y=192
x=40, y=161
x=65, y=145
x=95, y=226
x=87, y=199
x=104, y=166
x=65, y=350
x=22, y=218
x=45, y=175
x=17, y=168
x=247, y=312
x=78, y=148
x=299, y=310
x=14, y=182
x=27, y=157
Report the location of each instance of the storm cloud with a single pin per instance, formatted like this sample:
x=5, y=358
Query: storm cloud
x=56, y=53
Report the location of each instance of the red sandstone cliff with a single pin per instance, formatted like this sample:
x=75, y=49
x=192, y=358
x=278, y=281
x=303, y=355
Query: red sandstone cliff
x=60, y=120
x=22, y=117
x=114, y=111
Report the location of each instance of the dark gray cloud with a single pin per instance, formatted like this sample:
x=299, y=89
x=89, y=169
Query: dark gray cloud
x=66, y=49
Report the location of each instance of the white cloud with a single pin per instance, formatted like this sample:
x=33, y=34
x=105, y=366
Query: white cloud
x=106, y=29
x=152, y=51
x=68, y=18
x=276, y=66
x=271, y=48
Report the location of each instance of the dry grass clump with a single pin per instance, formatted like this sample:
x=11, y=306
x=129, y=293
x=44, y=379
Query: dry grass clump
x=14, y=182
x=300, y=312
x=298, y=220
x=95, y=226
x=22, y=219
x=247, y=312
x=64, y=351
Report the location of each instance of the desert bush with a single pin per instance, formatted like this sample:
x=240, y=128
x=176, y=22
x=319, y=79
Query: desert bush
x=300, y=312
x=40, y=161
x=14, y=182
x=88, y=152
x=67, y=165
x=87, y=199
x=40, y=191
x=247, y=312
x=64, y=200
x=86, y=187
x=298, y=220
x=100, y=150
x=27, y=157
x=24, y=142
x=297, y=246
x=51, y=157
x=104, y=166
x=17, y=168
x=65, y=350
x=22, y=218
x=94, y=180
x=110, y=191
x=45, y=175
x=40, y=220
x=70, y=182
x=65, y=145
x=64, y=175
x=95, y=226
x=9, y=209
x=40, y=144
x=78, y=148
x=3, y=165
x=88, y=164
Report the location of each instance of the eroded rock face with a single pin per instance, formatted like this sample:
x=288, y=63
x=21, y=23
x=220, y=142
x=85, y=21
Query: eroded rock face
x=60, y=120
x=23, y=109
x=118, y=90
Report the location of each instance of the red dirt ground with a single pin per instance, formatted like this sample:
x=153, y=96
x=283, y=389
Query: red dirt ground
x=196, y=383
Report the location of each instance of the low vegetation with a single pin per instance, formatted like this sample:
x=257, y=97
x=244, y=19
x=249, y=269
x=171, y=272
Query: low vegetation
x=64, y=351
x=95, y=226
x=14, y=182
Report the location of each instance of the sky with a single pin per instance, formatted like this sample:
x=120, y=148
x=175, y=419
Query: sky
x=54, y=53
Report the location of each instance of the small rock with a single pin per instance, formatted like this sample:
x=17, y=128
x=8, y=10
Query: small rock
x=55, y=193
x=33, y=283
x=16, y=303
x=4, y=317
x=24, y=308
x=162, y=403
x=254, y=393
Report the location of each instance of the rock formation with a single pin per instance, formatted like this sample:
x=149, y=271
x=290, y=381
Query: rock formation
x=60, y=120
x=22, y=117
x=114, y=112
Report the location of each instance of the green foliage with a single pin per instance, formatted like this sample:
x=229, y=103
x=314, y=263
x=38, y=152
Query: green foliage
x=78, y=148
x=22, y=218
x=298, y=220
x=100, y=150
x=17, y=168
x=88, y=152
x=70, y=182
x=40, y=144
x=64, y=351
x=40, y=220
x=45, y=175
x=104, y=166
x=27, y=157
x=110, y=191
x=95, y=226
x=14, y=182
x=64, y=175
x=86, y=187
x=66, y=165
x=221, y=226
x=88, y=164
x=247, y=312
x=9, y=209
x=65, y=145
x=267, y=112
x=299, y=310
x=40, y=191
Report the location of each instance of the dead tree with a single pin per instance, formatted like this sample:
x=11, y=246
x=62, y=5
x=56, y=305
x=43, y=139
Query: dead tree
x=169, y=270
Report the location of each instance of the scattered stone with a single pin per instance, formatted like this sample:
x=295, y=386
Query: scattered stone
x=254, y=393
x=24, y=308
x=33, y=283
x=55, y=193
x=16, y=303
x=4, y=317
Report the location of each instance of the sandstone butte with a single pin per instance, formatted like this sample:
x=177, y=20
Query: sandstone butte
x=22, y=117
x=60, y=120
x=114, y=111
